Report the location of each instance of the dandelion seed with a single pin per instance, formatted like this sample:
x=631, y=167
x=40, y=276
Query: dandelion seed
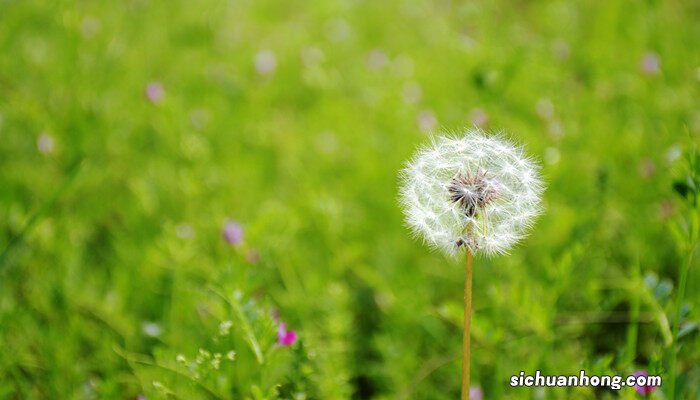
x=155, y=93
x=285, y=337
x=181, y=359
x=233, y=233
x=231, y=355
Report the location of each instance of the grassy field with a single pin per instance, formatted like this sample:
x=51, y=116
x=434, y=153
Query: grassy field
x=179, y=178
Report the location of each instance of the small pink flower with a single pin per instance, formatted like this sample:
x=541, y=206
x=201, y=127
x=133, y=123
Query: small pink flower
x=285, y=337
x=252, y=256
x=643, y=390
x=651, y=65
x=427, y=121
x=647, y=168
x=233, y=233
x=45, y=143
x=475, y=393
x=155, y=92
x=377, y=59
x=479, y=117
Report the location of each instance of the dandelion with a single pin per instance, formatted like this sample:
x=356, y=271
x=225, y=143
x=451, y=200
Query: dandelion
x=470, y=192
x=285, y=337
x=644, y=390
x=232, y=233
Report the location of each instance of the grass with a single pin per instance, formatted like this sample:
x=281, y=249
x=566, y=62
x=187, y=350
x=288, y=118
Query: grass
x=113, y=262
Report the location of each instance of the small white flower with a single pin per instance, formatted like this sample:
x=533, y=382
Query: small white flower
x=265, y=62
x=225, y=327
x=152, y=329
x=472, y=190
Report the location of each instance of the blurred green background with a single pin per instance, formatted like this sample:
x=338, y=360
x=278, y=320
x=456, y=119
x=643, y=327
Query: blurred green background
x=131, y=131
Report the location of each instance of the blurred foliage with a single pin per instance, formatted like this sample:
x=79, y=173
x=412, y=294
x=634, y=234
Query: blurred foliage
x=131, y=131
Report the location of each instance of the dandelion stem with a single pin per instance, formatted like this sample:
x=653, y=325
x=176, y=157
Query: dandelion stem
x=466, y=348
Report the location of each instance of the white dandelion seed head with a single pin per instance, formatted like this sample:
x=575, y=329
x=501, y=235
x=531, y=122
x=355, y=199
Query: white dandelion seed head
x=471, y=190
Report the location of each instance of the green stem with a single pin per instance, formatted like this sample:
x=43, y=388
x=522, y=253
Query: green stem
x=677, y=321
x=633, y=328
x=247, y=329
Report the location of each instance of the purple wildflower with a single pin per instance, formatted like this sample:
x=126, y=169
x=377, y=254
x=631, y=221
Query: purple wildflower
x=479, y=117
x=475, y=393
x=233, y=233
x=155, y=92
x=643, y=390
x=285, y=337
x=45, y=143
x=651, y=65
